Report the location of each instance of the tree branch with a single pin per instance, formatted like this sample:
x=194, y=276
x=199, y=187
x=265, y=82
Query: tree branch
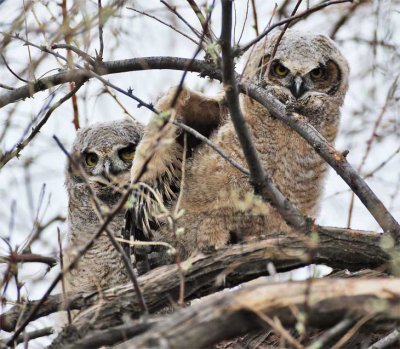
x=227, y=267
x=228, y=315
x=28, y=258
x=111, y=67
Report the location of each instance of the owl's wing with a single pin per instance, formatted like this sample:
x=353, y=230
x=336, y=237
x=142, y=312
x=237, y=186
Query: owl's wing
x=158, y=159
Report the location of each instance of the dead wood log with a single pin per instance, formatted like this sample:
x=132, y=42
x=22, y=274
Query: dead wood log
x=233, y=265
x=226, y=315
x=204, y=274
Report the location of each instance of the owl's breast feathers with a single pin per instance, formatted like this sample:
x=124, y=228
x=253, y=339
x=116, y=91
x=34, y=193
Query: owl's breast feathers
x=215, y=199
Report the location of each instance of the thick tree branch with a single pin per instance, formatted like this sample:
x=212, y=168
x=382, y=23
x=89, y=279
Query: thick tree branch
x=228, y=267
x=111, y=67
x=227, y=315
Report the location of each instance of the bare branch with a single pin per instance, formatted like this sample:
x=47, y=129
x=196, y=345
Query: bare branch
x=26, y=337
x=227, y=267
x=29, y=258
x=101, y=50
x=174, y=11
x=331, y=335
x=205, y=140
x=227, y=315
x=76, y=50
x=203, y=21
x=164, y=23
x=4, y=159
x=241, y=50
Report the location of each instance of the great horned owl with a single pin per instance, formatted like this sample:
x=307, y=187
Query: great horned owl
x=310, y=76
x=100, y=161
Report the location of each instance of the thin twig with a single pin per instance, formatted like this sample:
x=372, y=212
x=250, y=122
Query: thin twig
x=66, y=29
x=63, y=278
x=176, y=13
x=255, y=19
x=164, y=23
x=204, y=23
x=382, y=164
x=6, y=87
x=330, y=335
x=28, y=258
x=371, y=139
x=345, y=17
x=5, y=158
x=116, y=99
x=101, y=49
x=207, y=141
x=353, y=330
x=85, y=56
x=282, y=33
x=280, y=330
x=11, y=71
x=239, y=51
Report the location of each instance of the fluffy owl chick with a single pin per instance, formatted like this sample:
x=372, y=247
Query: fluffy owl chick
x=310, y=76
x=101, y=158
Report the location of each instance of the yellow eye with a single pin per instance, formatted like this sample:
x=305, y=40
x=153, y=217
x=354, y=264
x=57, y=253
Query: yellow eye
x=91, y=159
x=280, y=70
x=317, y=73
x=127, y=153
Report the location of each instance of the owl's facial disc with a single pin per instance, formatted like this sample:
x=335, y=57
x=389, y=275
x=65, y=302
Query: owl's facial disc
x=323, y=79
x=108, y=165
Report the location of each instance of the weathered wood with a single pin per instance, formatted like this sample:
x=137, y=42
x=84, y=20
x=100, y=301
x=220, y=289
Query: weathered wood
x=324, y=301
x=228, y=267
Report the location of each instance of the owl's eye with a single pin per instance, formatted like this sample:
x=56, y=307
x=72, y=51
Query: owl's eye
x=91, y=159
x=280, y=70
x=127, y=153
x=317, y=73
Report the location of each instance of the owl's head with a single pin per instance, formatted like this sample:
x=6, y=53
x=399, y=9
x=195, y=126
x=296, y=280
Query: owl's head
x=305, y=66
x=105, y=152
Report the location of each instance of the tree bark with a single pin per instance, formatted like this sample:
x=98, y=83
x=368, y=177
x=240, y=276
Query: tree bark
x=226, y=315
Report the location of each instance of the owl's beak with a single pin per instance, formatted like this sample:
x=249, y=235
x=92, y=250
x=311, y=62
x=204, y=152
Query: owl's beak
x=297, y=87
x=106, y=172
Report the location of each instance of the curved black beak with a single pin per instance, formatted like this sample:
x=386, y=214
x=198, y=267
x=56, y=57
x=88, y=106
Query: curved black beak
x=297, y=87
